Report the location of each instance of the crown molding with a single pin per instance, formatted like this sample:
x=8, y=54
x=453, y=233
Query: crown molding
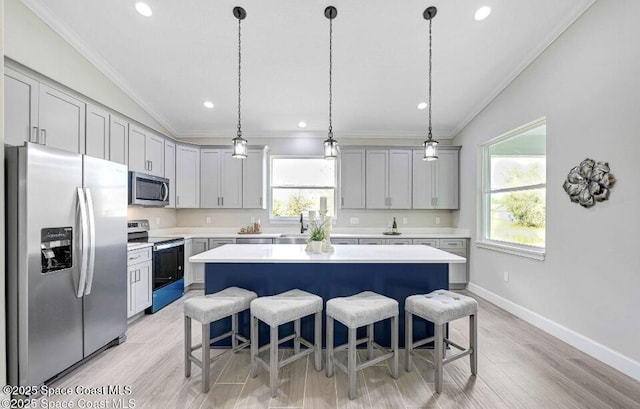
x=46, y=15
x=545, y=42
x=310, y=134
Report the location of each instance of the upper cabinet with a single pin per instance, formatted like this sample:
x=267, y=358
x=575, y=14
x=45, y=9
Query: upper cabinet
x=221, y=179
x=436, y=183
x=20, y=108
x=253, y=179
x=388, y=178
x=187, y=176
x=146, y=151
x=170, y=170
x=352, y=179
x=97, y=132
x=118, y=140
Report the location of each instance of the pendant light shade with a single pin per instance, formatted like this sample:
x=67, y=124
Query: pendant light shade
x=330, y=144
x=430, y=145
x=239, y=143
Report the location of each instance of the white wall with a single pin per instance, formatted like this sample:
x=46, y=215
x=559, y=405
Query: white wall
x=3, y=323
x=31, y=42
x=586, y=83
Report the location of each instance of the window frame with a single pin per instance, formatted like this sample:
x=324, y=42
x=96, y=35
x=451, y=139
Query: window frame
x=484, y=198
x=296, y=219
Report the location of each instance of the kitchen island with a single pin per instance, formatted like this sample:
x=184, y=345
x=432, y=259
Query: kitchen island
x=267, y=269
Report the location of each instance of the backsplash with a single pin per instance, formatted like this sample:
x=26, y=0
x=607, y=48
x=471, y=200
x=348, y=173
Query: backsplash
x=159, y=217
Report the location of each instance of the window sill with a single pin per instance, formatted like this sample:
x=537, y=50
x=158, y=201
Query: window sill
x=528, y=252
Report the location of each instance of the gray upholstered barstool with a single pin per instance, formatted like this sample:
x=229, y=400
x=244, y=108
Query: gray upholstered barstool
x=290, y=306
x=441, y=307
x=359, y=310
x=207, y=309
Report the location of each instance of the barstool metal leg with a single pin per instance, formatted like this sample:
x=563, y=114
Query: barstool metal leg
x=234, y=330
x=370, y=335
x=317, y=335
x=351, y=362
x=408, y=340
x=206, y=367
x=329, y=346
x=437, y=354
x=394, y=346
x=254, y=346
x=296, y=340
x=187, y=346
x=273, y=362
x=473, y=343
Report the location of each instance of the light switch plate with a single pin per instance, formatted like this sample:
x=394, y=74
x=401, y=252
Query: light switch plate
x=437, y=219
x=208, y=219
x=253, y=219
x=405, y=220
x=354, y=220
x=158, y=221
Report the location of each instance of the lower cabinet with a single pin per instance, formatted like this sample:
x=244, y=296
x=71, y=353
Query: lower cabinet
x=458, y=273
x=344, y=241
x=139, y=288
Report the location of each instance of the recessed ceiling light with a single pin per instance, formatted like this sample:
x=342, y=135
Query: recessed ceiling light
x=302, y=124
x=144, y=9
x=482, y=13
x=208, y=104
x=422, y=105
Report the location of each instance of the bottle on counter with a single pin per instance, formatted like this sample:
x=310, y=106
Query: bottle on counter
x=394, y=226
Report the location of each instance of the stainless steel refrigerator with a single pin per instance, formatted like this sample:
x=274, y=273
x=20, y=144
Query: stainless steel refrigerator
x=66, y=259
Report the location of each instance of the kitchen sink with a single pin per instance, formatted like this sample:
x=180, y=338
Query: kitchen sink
x=294, y=238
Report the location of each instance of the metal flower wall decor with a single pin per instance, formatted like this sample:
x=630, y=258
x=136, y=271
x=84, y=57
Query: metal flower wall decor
x=589, y=182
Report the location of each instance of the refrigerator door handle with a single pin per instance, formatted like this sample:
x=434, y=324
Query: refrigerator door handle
x=92, y=241
x=85, y=243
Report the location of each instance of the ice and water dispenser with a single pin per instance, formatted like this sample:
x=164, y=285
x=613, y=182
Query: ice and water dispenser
x=55, y=245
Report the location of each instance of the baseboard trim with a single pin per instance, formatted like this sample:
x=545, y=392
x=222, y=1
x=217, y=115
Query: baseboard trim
x=600, y=352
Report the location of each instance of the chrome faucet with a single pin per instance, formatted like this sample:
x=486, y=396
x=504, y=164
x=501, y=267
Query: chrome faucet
x=302, y=228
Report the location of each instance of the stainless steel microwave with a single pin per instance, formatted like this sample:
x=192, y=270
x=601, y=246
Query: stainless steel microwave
x=147, y=190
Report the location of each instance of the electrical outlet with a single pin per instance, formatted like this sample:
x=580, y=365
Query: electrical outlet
x=437, y=219
x=405, y=220
x=354, y=220
x=253, y=219
x=208, y=219
x=506, y=276
x=158, y=221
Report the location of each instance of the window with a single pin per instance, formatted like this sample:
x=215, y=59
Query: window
x=298, y=183
x=514, y=184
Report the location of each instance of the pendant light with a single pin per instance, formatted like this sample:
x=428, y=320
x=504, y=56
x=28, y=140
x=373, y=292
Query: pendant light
x=239, y=143
x=330, y=145
x=430, y=145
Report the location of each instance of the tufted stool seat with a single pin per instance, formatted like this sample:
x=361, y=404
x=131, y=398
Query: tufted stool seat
x=207, y=309
x=441, y=307
x=275, y=310
x=359, y=310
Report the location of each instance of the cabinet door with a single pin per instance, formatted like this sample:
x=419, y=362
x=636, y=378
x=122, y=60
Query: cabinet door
x=20, y=108
x=187, y=177
x=137, y=158
x=132, y=276
x=118, y=140
x=170, y=170
x=377, y=173
x=458, y=271
x=422, y=185
x=210, y=178
x=352, y=179
x=400, y=178
x=61, y=119
x=230, y=181
x=253, y=180
x=447, y=180
x=198, y=246
x=143, y=286
x=154, y=154
x=97, y=133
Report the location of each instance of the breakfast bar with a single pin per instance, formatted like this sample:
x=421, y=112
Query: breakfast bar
x=267, y=269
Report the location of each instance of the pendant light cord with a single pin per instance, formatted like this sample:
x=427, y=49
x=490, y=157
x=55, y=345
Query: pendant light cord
x=239, y=73
x=430, y=52
x=330, y=77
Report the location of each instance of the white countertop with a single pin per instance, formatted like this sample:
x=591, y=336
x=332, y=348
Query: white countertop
x=138, y=246
x=294, y=253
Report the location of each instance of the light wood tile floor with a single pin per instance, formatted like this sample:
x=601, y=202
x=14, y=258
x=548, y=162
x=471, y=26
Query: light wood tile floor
x=519, y=367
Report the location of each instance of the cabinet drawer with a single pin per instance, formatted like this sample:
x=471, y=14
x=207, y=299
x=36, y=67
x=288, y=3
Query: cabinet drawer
x=399, y=241
x=344, y=241
x=370, y=241
x=427, y=242
x=214, y=243
x=453, y=243
x=138, y=256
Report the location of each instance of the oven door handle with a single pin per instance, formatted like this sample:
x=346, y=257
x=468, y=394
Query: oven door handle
x=165, y=246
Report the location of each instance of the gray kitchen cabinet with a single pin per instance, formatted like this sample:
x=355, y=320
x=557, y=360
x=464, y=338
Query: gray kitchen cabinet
x=221, y=179
x=371, y=241
x=398, y=241
x=458, y=273
x=187, y=177
x=20, y=108
x=352, y=179
x=97, y=132
x=197, y=269
x=427, y=242
x=118, y=140
x=388, y=179
x=61, y=120
x=344, y=241
x=170, y=170
x=436, y=183
x=215, y=243
x=154, y=154
x=137, y=140
x=254, y=180
x=139, y=288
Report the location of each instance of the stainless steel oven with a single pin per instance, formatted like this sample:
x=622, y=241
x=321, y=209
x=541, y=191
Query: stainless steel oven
x=147, y=190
